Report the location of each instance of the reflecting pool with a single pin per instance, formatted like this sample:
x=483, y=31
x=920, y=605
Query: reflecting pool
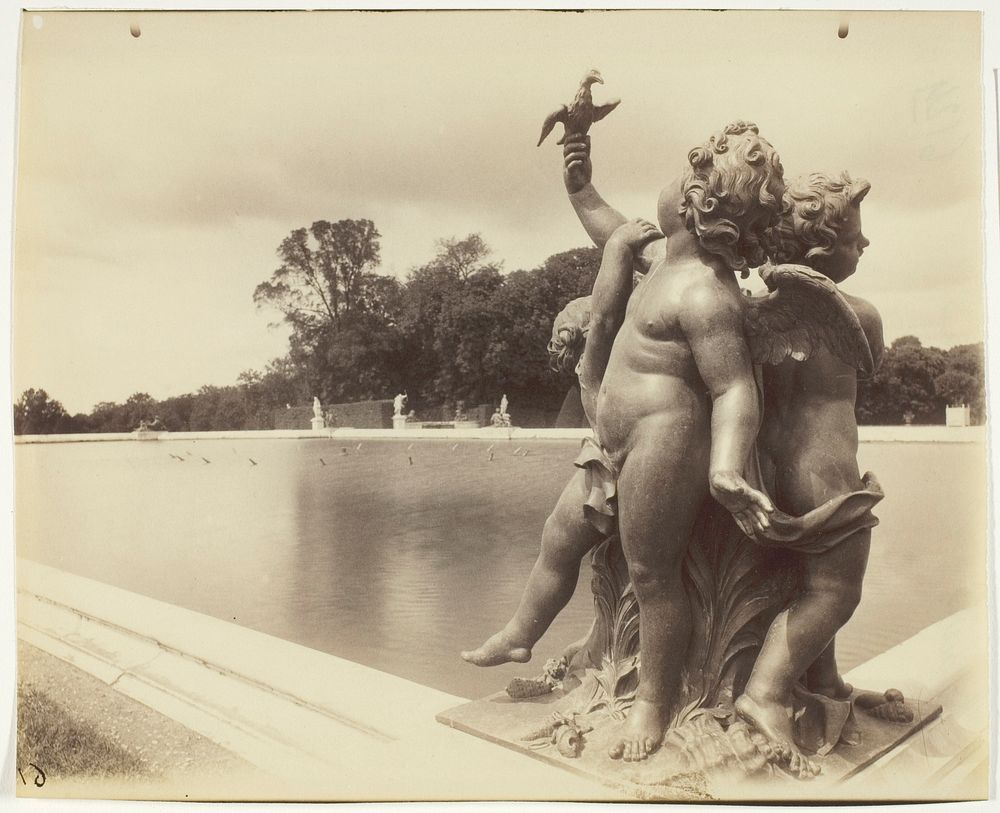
x=398, y=554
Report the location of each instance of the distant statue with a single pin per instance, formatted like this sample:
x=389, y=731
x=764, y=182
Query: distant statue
x=317, y=409
x=150, y=426
x=397, y=404
x=500, y=415
x=460, y=411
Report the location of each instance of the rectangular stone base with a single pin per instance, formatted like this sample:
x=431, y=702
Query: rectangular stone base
x=511, y=724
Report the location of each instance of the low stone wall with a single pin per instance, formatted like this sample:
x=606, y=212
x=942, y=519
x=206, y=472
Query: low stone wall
x=297, y=417
x=866, y=434
x=358, y=415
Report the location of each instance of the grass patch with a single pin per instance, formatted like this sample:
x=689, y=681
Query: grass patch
x=51, y=738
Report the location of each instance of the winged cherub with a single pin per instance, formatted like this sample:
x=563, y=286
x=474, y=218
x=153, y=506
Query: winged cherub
x=813, y=341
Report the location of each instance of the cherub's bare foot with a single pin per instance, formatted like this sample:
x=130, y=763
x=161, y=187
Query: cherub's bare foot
x=643, y=734
x=496, y=650
x=774, y=722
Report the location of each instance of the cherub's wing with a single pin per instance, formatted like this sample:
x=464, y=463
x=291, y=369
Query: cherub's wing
x=550, y=122
x=804, y=310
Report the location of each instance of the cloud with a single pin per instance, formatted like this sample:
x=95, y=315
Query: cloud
x=176, y=162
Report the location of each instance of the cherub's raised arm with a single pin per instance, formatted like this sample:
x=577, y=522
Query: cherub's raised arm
x=610, y=296
x=598, y=217
x=712, y=322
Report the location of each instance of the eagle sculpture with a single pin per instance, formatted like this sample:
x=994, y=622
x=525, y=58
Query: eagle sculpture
x=581, y=112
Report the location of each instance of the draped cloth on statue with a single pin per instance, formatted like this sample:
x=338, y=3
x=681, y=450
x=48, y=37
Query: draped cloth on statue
x=601, y=506
x=825, y=526
x=817, y=531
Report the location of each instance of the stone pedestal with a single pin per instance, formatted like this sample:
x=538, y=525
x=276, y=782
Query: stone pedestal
x=399, y=422
x=957, y=416
x=318, y=424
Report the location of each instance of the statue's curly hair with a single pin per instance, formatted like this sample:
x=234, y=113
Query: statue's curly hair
x=569, y=335
x=813, y=211
x=732, y=194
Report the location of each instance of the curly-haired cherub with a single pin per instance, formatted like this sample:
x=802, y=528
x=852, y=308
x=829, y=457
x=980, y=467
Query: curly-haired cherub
x=582, y=336
x=813, y=341
x=675, y=412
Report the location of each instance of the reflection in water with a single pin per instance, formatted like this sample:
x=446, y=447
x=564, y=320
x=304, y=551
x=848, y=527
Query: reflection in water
x=400, y=567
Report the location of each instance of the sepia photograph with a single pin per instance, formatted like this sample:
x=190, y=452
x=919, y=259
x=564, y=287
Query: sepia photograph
x=468, y=405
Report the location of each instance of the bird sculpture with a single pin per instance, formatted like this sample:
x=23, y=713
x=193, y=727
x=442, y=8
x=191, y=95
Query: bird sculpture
x=581, y=112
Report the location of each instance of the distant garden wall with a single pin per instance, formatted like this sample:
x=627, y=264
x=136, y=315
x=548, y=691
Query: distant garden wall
x=358, y=415
x=378, y=415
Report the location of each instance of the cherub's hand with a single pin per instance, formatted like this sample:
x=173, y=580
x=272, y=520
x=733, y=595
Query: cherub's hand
x=633, y=234
x=748, y=506
x=577, y=169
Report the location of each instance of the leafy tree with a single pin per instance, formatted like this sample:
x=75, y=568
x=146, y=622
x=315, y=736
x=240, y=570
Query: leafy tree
x=447, y=322
x=345, y=340
x=139, y=407
x=263, y=392
x=530, y=301
x=962, y=382
x=35, y=413
x=107, y=416
x=322, y=275
x=905, y=383
x=175, y=412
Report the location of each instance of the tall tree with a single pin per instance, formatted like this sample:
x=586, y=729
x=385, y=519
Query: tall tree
x=903, y=385
x=963, y=382
x=446, y=323
x=35, y=413
x=322, y=273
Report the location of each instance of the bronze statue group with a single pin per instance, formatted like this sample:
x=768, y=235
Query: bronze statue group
x=695, y=390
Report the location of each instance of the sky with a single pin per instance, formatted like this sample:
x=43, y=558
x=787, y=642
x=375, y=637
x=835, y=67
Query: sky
x=156, y=175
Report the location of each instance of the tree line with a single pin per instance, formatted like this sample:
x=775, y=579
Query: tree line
x=456, y=329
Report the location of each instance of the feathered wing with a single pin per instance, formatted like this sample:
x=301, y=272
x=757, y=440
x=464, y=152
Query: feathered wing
x=601, y=110
x=802, y=311
x=550, y=122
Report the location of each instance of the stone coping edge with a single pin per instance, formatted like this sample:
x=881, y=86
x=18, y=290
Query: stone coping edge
x=866, y=434
x=321, y=727
x=301, y=673
x=289, y=709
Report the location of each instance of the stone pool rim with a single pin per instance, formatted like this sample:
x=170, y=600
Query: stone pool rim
x=866, y=434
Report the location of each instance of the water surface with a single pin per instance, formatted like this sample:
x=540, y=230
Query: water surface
x=397, y=565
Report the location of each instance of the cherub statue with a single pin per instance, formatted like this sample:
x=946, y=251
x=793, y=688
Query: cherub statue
x=662, y=444
x=813, y=341
x=677, y=413
x=820, y=340
x=570, y=533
